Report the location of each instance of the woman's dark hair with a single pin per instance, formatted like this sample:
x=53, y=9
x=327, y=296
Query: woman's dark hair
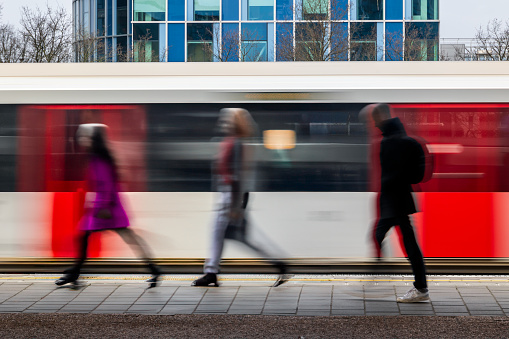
x=100, y=150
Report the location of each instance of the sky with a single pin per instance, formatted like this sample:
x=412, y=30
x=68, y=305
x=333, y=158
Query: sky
x=458, y=18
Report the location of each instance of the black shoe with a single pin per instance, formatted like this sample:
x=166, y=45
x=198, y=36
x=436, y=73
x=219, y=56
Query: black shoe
x=283, y=276
x=68, y=278
x=206, y=280
x=154, y=281
x=156, y=274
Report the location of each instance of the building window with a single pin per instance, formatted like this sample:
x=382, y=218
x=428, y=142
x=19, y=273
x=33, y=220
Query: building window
x=146, y=42
x=122, y=49
x=394, y=41
x=421, y=41
x=393, y=10
x=199, y=42
x=149, y=10
x=284, y=9
x=230, y=10
x=425, y=9
x=370, y=9
x=284, y=41
x=206, y=10
x=176, y=10
x=315, y=9
x=309, y=38
x=364, y=37
x=260, y=10
x=86, y=15
x=121, y=17
x=254, y=42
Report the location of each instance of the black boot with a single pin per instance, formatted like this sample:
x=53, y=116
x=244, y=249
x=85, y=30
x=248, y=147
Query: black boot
x=283, y=276
x=206, y=280
x=156, y=274
x=69, y=277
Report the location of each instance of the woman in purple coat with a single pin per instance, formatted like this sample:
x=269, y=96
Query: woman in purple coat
x=104, y=210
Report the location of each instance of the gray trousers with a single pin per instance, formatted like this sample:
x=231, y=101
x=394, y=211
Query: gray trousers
x=219, y=225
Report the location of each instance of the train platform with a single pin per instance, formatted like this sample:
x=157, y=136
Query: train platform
x=302, y=295
x=247, y=306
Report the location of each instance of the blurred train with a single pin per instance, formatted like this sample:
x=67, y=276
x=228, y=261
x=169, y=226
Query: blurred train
x=315, y=192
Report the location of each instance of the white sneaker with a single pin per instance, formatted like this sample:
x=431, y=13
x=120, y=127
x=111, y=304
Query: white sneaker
x=413, y=296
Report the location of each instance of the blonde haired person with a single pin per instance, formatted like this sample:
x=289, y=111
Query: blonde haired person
x=230, y=171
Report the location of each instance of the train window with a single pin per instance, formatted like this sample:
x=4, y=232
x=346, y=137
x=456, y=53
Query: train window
x=182, y=142
x=8, y=148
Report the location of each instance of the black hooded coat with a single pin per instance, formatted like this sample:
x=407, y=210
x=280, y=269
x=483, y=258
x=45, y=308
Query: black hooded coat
x=396, y=191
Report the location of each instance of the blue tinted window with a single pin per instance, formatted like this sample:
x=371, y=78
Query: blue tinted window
x=260, y=9
x=230, y=10
x=284, y=41
x=110, y=17
x=284, y=10
x=121, y=17
x=230, y=42
x=100, y=17
x=339, y=9
x=206, y=10
x=421, y=41
x=254, y=31
x=200, y=42
x=394, y=41
x=339, y=40
x=364, y=41
x=370, y=9
x=176, y=42
x=254, y=42
x=146, y=42
x=394, y=9
x=149, y=10
x=176, y=10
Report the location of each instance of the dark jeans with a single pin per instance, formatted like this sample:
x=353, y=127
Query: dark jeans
x=128, y=235
x=411, y=246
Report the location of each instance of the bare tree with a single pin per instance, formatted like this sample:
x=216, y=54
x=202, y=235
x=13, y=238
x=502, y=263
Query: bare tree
x=143, y=51
x=363, y=42
x=418, y=44
x=88, y=47
x=230, y=44
x=318, y=35
x=46, y=35
x=493, y=41
x=11, y=47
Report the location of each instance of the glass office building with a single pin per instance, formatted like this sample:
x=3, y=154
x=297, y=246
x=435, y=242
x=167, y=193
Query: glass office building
x=259, y=30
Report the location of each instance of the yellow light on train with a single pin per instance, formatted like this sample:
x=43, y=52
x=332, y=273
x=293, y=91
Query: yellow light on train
x=279, y=139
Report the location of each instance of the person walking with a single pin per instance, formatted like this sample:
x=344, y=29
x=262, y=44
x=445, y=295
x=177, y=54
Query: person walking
x=396, y=202
x=230, y=172
x=104, y=211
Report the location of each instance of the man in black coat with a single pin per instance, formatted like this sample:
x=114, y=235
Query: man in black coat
x=396, y=201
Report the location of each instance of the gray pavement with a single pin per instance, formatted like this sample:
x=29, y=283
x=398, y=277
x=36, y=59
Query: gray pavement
x=303, y=295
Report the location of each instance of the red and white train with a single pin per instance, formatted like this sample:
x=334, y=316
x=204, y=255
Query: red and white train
x=313, y=198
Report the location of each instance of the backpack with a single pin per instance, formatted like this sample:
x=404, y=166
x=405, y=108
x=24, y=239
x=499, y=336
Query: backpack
x=420, y=162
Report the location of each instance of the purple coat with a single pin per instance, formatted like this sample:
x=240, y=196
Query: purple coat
x=101, y=181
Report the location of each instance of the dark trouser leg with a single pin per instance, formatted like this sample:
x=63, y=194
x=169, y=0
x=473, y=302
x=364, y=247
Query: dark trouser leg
x=82, y=255
x=140, y=248
x=383, y=226
x=413, y=251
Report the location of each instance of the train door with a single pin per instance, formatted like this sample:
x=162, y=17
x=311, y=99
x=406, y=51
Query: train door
x=458, y=216
x=49, y=160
